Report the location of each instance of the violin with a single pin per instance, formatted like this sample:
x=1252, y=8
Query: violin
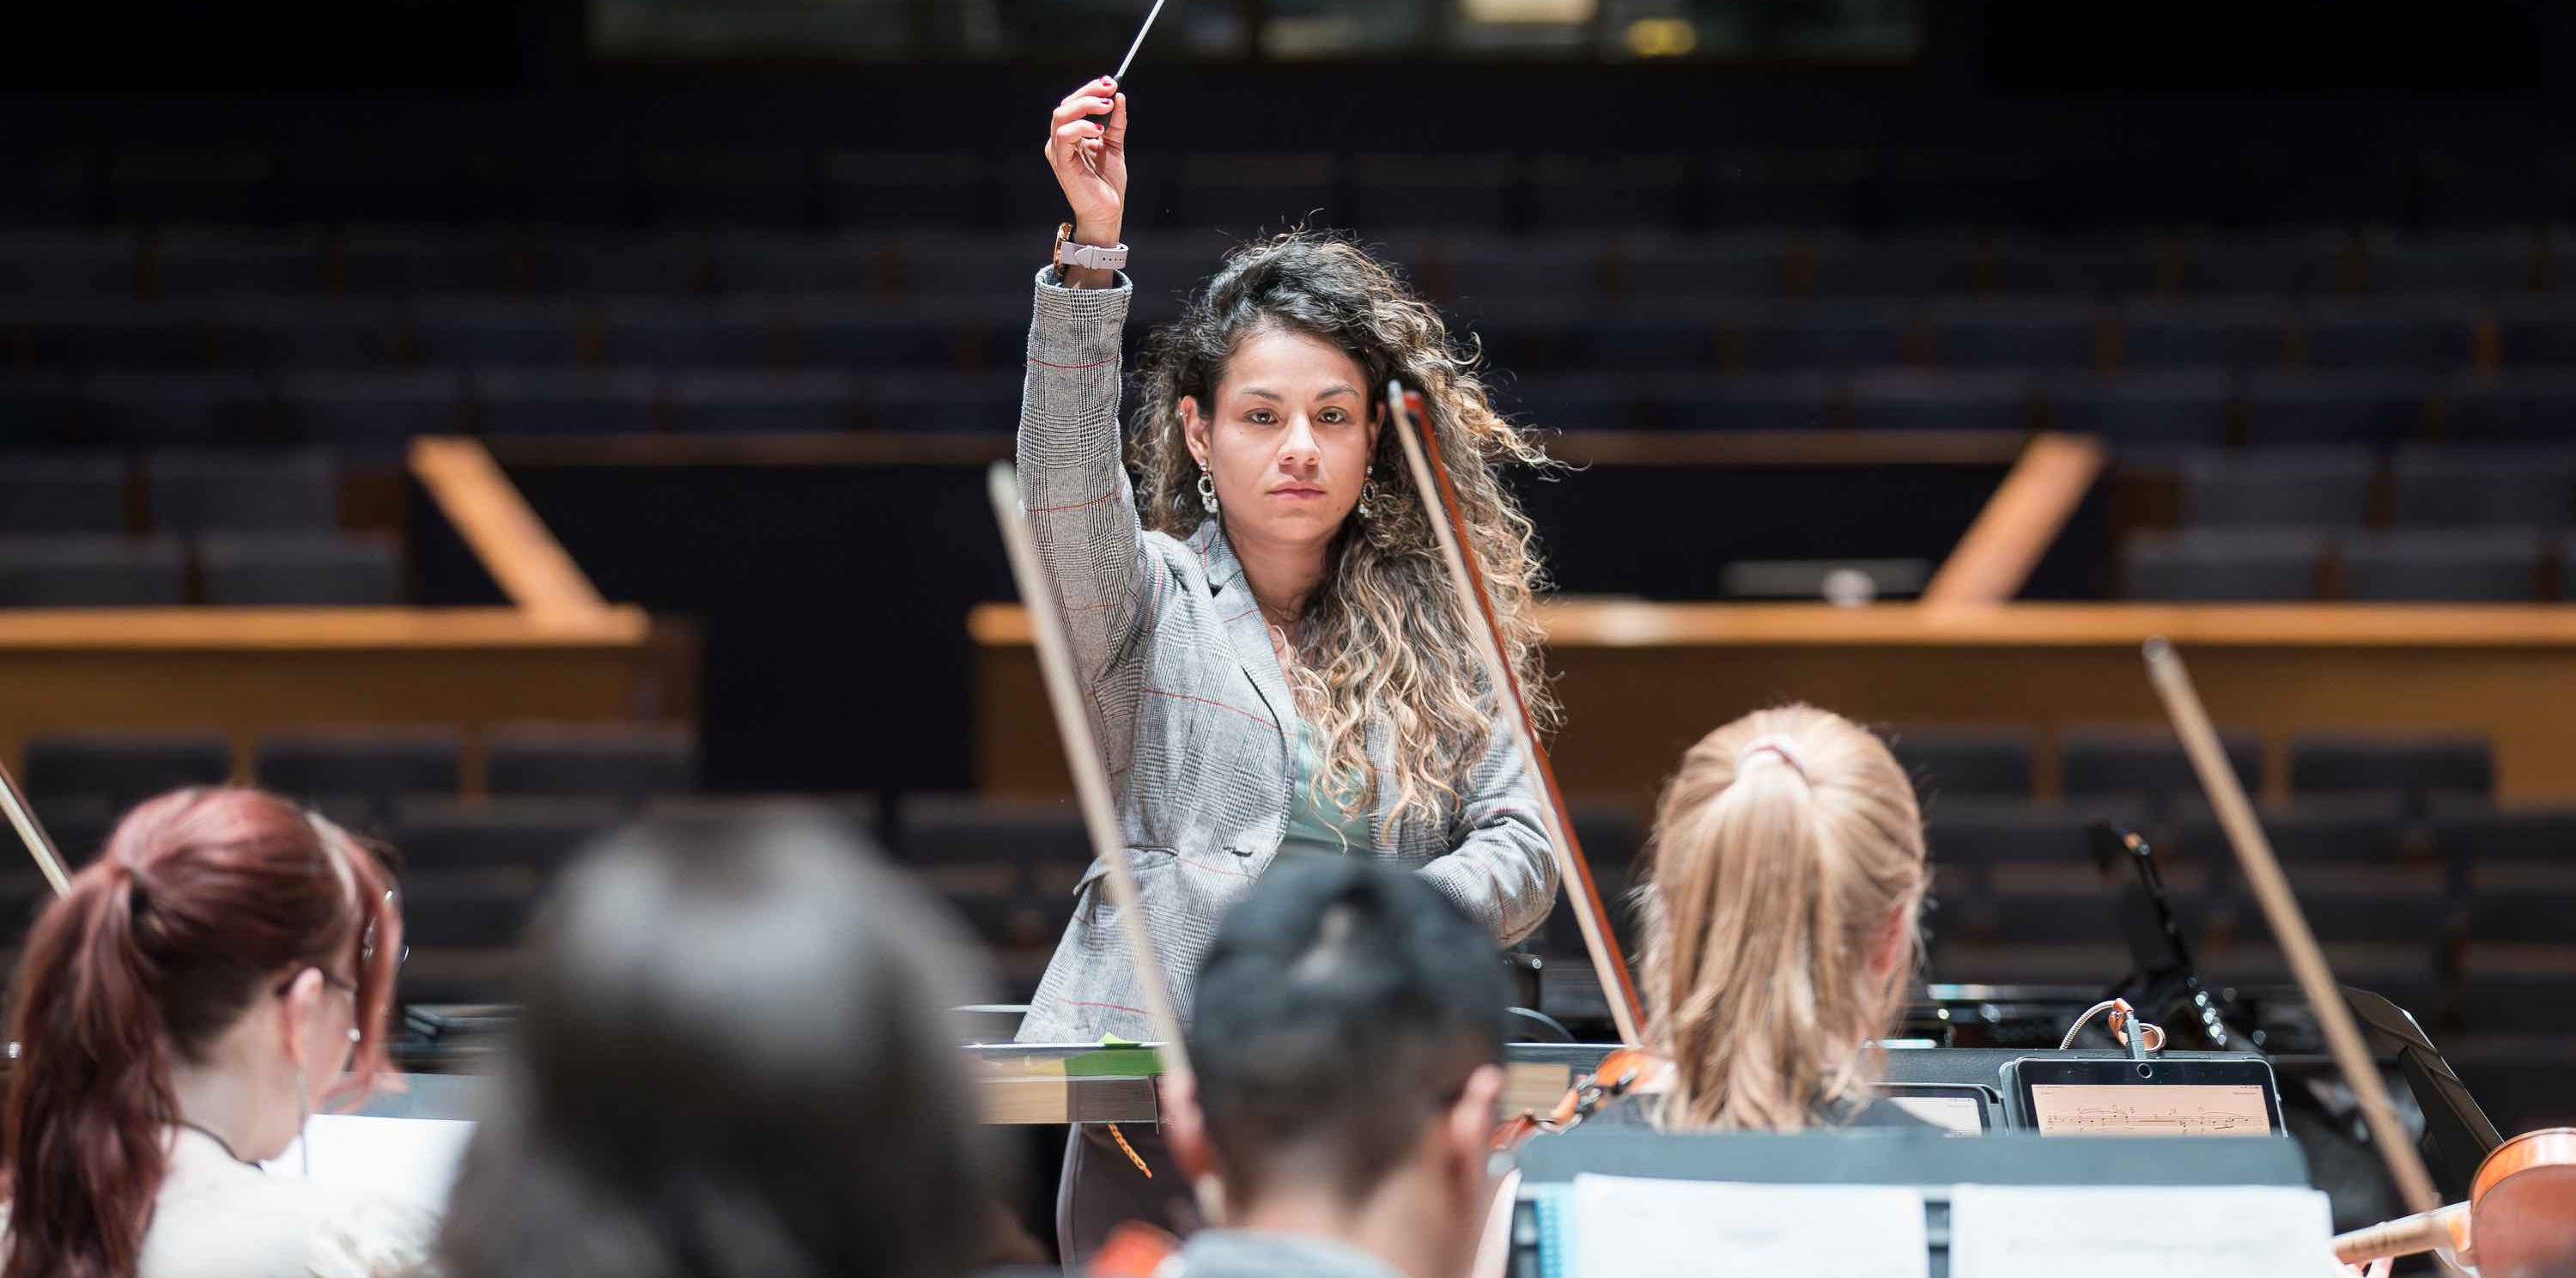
x=2519, y=1220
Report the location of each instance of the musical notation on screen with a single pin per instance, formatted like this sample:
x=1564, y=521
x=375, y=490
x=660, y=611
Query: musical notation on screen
x=2067, y=1109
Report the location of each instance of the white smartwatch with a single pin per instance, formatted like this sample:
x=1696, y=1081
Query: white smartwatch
x=1086, y=256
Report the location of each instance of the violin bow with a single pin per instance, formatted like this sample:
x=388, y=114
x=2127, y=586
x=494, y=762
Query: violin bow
x=1082, y=756
x=1449, y=526
x=22, y=818
x=2281, y=909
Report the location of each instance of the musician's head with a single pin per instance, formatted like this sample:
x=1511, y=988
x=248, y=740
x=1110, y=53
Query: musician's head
x=736, y=1058
x=1347, y=1045
x=1786, y=877
x=1271, y=387
x=226, y=961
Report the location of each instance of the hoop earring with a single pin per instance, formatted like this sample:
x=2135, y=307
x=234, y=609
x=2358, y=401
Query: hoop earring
x=1207, y=490
x=1368, y=492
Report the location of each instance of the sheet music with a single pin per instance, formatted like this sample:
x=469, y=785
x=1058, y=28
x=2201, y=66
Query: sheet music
x=408, y=1158
x=1959, y=1115
x=1631, y=1228
x=2219, y=1231
x=2085, y=1109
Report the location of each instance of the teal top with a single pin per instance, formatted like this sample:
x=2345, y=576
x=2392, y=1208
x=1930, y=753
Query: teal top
x=1315, y=824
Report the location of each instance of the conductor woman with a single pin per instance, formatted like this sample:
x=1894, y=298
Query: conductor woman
x=1260, y=618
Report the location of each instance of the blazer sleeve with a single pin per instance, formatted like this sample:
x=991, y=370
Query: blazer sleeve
x=1498, y=867
x=1073, y=477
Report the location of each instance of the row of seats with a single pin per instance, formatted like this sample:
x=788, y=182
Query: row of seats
x=2253, y=565
x=173, y=491
x=1523, y=326
x=75, y=570
x=2349, y=488
x=369, y=769
x=1462, y=258
x=2112, y=760
x=372, y=413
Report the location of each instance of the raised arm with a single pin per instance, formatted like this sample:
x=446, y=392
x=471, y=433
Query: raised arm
x=1073, y=480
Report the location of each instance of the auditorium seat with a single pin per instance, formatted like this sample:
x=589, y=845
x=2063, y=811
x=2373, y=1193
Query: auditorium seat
x=201, y=261
x=2352, y=904
x=2073, y=265
x=193, y=492
x=371, y=416
x=2111, y=760
x=122, y=768
x=2224, y=565
x=2076, y=912
x=312, y=569
x=216, y=185
x=2050, y=335
x=448, y=834
x=1746, y=401
x=2538, y=333
x=1564, y=193
x=627, y=762
x=1843, y=336
x=566, y=401
x=282, y=333
x=1976, y=832
x=2413, y=764
x=67, y=262
x=2295, y=262
x=2518, y=406
x=38, y=408
x=61, y=492
x=834, y=266
x=1746, y=265
x=2529, y=487
x=1244, y=192
x=24, y=894
x=987, y=402
x=2364, y=829
x=1897, y=264
x=838, y=334
x=460, y=331
x=1965, y=761
x=2403, y=973
x=2276, y=488
x=1010, y=866
x=2506, y=911
x=449, y=911
x=2165, y=409
x=92, y=571
x=79, y=826
x=2386, y=335
x=2518, y=990
x=2238, y=333
x=1480, y=272
x=907, y=189
x=2470, y=831
x=1909, y=400
x=734, y=401
x=379, y=766
x=592, y=262
x=732, y=187
x=2486, y=263
x=2520, y=1081
x=92, y=333
x=2479, y=565
x=162, y=409
x=2373, y=407
x=1457, y=193
x=1613, y=836
x=861, y=812
x=395, y=260
x=660, y=333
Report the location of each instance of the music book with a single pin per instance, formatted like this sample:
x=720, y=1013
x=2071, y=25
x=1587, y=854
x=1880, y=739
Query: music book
x=408, y=1158
x=1636, y=1228
x=2210, y=1231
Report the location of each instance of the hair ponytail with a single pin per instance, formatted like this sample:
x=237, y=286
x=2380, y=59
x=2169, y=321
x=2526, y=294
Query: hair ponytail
x=1782, y=848
x=158, y=946
x=91, y=1087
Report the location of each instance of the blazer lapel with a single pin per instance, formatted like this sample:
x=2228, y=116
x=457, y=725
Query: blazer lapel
x=1244, y=626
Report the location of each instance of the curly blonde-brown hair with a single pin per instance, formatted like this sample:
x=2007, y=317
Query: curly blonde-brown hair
x=1381, y=634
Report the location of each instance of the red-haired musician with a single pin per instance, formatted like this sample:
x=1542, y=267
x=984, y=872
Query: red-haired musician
x=223, y=967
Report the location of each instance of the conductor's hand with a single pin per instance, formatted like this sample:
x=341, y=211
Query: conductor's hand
x=1087, y=149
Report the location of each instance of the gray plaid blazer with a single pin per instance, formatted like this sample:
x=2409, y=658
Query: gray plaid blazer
x=1191, y=711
